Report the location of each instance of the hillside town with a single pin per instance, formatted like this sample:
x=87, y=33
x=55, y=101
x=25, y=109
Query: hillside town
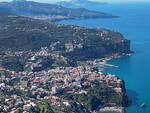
x=23, y=91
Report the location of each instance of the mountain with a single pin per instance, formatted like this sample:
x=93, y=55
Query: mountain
x=49, y=12
x=79, y=3
x=72, y=42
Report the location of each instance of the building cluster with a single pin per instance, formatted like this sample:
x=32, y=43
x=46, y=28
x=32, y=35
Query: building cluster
x=22, y=90
x=25, y=90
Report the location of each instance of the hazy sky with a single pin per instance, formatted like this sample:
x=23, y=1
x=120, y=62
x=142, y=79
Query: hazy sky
x=90, y=0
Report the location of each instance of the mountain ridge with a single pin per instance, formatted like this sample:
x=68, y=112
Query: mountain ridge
x=50, y=12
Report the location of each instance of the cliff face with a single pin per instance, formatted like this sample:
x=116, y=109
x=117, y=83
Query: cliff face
x=99, y=51
x=125, y=100
x=102, y=46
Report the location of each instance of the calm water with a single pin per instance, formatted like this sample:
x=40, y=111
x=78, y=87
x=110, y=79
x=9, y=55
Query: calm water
x=134, y=24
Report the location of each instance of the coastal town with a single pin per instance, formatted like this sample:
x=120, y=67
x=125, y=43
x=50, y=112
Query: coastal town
x=56, y=68
x=71, y=56
x=25, y=91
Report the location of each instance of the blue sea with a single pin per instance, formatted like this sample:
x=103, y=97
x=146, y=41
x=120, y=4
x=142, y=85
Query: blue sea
x=134, y=24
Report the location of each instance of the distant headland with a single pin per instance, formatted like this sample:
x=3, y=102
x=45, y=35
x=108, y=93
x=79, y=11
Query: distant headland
x=79, y=3
x=49, y=12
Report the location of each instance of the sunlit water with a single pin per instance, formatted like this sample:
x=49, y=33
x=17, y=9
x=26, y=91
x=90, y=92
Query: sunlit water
x=134, y=24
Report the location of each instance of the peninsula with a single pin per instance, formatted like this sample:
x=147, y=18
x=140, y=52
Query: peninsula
x=80, y=3
x=50, y=68
x=49, y=12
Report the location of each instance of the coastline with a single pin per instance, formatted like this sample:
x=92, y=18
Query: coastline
x=79, y=18
x=103, y=61
x=112, y=109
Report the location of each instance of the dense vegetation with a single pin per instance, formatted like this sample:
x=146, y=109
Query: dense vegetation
x=75, y=43
x=13, y=63
x=22, y=33
x=100, y=95
x=46, y=62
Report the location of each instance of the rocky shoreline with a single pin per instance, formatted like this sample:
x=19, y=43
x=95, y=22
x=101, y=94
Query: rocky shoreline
x=103, y=61
x=114, y=109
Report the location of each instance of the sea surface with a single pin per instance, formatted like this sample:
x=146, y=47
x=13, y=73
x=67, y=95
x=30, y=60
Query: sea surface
x=134, y=24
